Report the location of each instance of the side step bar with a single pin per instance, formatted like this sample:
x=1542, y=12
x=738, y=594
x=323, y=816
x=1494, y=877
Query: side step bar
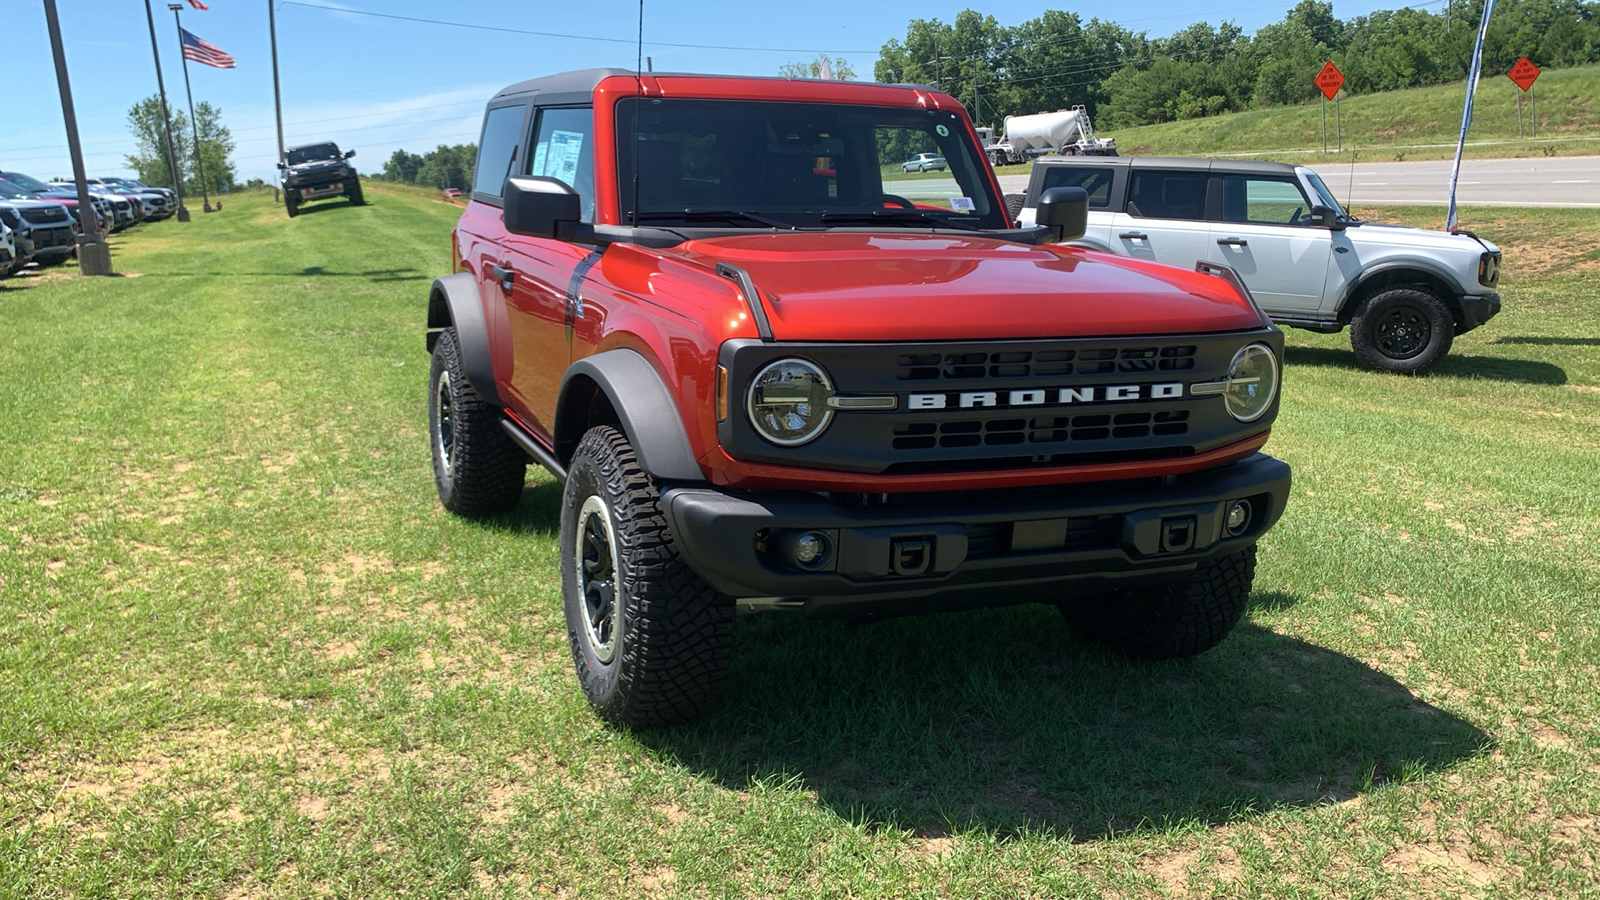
x=534, y=449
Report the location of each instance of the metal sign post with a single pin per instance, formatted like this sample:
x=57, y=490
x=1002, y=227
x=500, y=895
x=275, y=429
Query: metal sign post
x=1523, y=74
x=1328, y=81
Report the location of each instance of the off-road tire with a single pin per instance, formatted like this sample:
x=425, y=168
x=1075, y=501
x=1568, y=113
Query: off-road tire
x=290, y=206
x=1405, y=329
x=1170, y=621
x=672, y=634
x=356, y=197
x=1014, y=204
x=477, y=468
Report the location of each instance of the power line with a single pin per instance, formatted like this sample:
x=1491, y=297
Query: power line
x=552, y=34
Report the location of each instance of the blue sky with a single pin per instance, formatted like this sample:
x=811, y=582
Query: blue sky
x=377, y=84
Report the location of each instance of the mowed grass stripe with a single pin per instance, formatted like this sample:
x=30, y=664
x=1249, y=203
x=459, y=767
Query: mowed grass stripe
x=243, y=651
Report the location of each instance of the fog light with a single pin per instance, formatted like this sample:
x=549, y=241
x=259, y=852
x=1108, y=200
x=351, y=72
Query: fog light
x=808, y=548
x=1238, y=516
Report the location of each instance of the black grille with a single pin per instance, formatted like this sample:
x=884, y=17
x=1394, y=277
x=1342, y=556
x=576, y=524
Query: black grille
x=44, y=215
x=47, y=238
x=1044, y=363
x=1040, y=430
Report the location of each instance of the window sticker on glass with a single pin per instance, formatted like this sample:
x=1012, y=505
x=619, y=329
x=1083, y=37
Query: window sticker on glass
x=942, y=130
x=961, y=204
x=559, y=159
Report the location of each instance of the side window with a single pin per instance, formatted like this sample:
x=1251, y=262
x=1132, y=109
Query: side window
x=1263, y=201
x=1168, y=195
x=1094, y=179
x=502, y=128
x=564, y=151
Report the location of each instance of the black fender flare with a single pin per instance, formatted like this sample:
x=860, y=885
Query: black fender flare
x=1353, y=292
x=644, y=407
x=454, y=301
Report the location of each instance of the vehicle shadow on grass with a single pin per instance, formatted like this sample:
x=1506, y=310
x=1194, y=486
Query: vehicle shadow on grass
x=1006, y=721
x=538, y=513
x=1455, y=365
x=377, y=276
x=1551, y=341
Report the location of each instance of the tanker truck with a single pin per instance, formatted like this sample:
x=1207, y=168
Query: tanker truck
x=1065, y=131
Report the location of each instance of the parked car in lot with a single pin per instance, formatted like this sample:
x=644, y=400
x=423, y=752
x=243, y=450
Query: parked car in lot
x=768, y=385
x=10, y=261
x=47, y=227
x=1405, y=293
x=66, y=196
x=924, y=162
x=318, y=172
x=452, y=193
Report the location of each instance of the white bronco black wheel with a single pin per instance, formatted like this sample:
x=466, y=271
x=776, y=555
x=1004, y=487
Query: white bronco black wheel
x=650, y=640
x=1403, y=329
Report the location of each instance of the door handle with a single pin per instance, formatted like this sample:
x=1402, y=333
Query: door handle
x=503, y=274
x=1134, y=236
x=1232, y=242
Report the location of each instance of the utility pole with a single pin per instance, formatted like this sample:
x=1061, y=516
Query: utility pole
x=200, y=166
x=166, y=115
x=277, y=100
x=94, y=257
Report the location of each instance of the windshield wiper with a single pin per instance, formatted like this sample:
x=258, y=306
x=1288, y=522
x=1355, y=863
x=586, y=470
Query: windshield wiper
x=710, y=215
x=909, y=216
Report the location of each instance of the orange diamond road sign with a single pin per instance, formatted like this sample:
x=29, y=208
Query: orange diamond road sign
x=1523, y=73
x=1330, y=79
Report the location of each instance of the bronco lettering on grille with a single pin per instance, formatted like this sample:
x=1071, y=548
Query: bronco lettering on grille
x=1119, y=393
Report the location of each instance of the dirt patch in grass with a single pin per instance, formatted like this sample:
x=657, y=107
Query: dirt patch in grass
x=1439, y=869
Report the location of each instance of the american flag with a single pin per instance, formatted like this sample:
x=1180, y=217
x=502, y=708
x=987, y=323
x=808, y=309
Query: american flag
x=198, y=5
x=203, y=51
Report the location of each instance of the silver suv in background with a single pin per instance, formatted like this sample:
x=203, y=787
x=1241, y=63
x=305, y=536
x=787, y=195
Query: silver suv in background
x=1405, y=293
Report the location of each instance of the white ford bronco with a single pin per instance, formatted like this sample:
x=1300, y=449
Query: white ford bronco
x=1404, y=292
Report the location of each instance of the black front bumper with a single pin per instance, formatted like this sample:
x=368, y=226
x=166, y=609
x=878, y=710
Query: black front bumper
x=1476, y=309
x=977, y=545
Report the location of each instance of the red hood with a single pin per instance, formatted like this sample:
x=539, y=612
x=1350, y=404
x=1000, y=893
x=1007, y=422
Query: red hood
x=841, y=286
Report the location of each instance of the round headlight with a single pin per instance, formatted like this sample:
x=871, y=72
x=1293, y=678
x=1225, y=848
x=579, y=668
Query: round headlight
x=788, y=401
x=1252, y=382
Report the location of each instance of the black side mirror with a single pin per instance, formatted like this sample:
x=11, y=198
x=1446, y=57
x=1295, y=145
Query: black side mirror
x=1066, y=210
x=282, y=166
x=1325, y=217
x=540, y=207
x=349, y=153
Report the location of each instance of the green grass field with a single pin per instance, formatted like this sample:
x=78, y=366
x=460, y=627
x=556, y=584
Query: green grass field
x=243, y=652
x=1420, y=123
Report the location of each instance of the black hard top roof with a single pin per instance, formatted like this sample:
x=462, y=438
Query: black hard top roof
x=578, y=86
x=334, y=144
x=1230, y=166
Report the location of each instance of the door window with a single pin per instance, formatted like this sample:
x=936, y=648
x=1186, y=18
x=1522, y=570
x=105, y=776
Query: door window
x=502, y=129
x=1096, y=180
x=564, y=150
x=1263, y=201
x=1168, y=195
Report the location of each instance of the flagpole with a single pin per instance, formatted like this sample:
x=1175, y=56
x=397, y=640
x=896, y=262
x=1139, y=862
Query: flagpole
x=205, y=196
x=277, y=100
x=94, y=257
x=1466, y=113
x=166, y=115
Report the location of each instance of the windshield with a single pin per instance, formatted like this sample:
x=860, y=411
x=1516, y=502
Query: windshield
x=1327, y=198
x=11, y=191
x=313, y=153
x=799, y=165
x=32, y=184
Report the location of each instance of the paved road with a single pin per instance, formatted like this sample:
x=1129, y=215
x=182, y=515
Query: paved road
x=1569, y=181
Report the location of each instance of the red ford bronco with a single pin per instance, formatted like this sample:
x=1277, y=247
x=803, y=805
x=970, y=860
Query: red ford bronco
x=774, y=371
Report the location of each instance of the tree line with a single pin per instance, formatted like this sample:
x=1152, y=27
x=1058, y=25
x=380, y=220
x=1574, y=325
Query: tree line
x=150, y=159
x=443, y=167
x=1127, y=78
